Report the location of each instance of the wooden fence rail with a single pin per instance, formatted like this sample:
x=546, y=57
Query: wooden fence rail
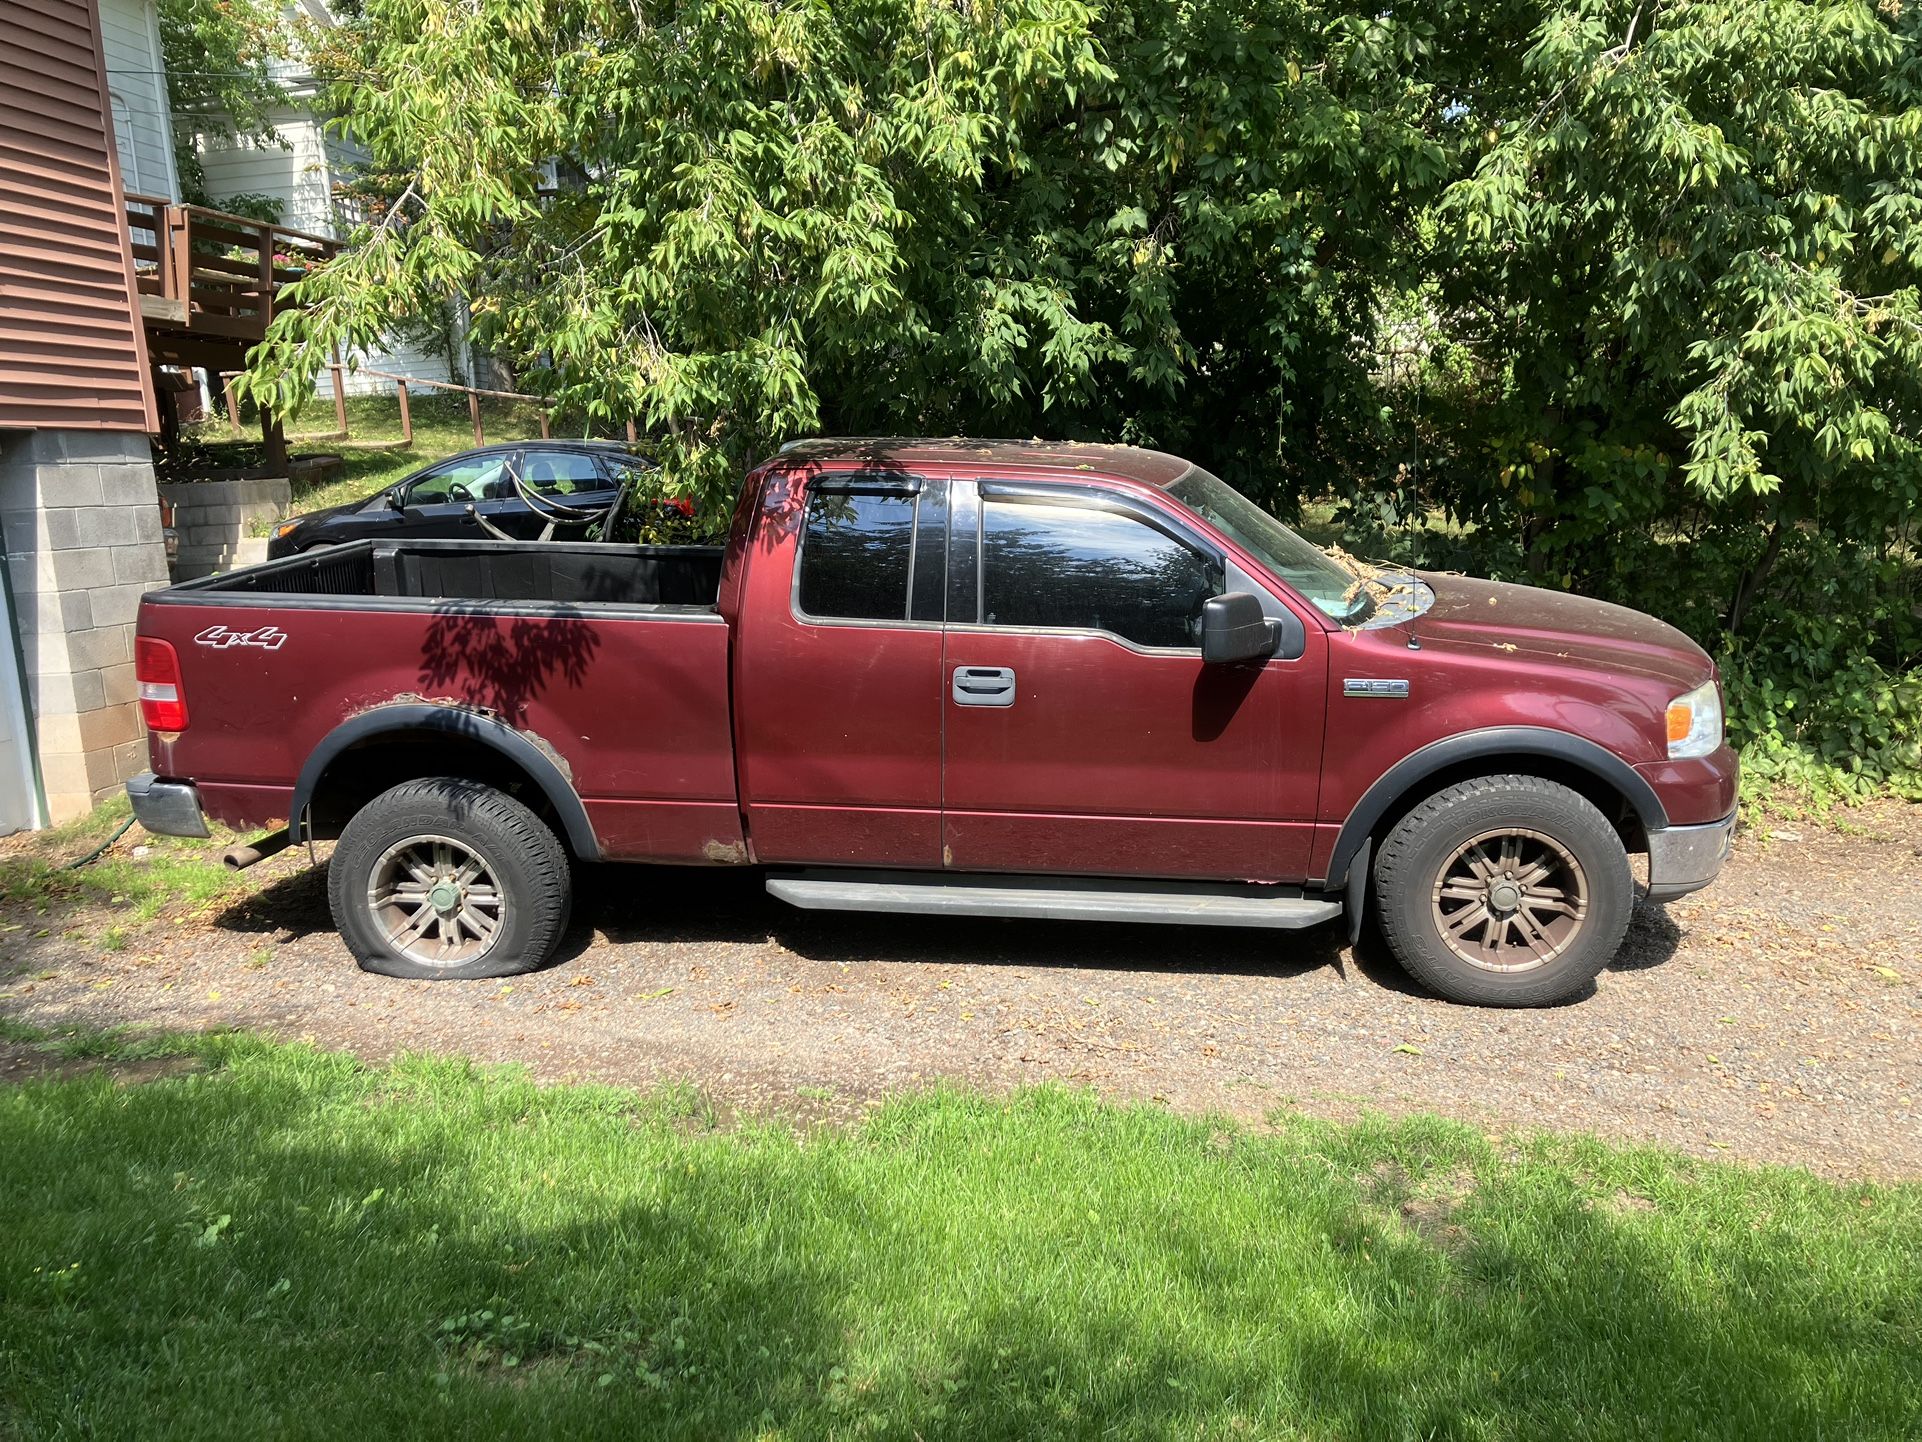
x=402, y=385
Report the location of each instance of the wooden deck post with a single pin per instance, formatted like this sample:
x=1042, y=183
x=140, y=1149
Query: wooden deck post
x=406, y=418
x=233, y=406
x=473, y=409
x=630, y=433
x=340, y=396
x=180, y=265
x=546, y=432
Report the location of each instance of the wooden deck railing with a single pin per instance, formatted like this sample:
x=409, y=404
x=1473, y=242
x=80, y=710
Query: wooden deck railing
x=207, y=272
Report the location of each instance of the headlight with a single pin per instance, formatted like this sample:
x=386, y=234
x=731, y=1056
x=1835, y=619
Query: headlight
x=1695, y=722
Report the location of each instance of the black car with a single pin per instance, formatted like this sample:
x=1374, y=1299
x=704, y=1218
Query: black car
x=572, y=484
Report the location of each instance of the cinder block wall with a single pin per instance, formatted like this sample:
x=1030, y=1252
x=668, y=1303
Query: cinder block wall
x=216, y=522
x=81, y=519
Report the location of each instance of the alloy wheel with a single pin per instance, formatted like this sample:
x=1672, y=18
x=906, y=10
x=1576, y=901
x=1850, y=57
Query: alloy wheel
x=436, y=900
x=1510, y=900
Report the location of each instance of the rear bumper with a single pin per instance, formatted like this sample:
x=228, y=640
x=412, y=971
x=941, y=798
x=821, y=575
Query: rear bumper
x=1687, y=858
x=166, y=808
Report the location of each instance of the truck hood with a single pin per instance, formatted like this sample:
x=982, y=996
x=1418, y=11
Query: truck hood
x=1557, y=626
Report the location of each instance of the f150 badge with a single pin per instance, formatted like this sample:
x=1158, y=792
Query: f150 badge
x=270, y=638
x=1371, y=686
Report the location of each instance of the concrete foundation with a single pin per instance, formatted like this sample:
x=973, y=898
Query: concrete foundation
x=80, y=514
x=217, y=522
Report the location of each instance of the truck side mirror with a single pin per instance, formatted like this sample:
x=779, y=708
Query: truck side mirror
x=397, y=499
x=1233, y=629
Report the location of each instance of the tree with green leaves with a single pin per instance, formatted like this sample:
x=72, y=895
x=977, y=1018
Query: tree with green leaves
x=1684, y=270
x=676, y=212
x=1693, y=231
x=743, y=221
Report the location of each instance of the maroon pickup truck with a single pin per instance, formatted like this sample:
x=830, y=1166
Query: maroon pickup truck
x=978, y=679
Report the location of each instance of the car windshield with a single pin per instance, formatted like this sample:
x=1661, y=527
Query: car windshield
x=1310, y=570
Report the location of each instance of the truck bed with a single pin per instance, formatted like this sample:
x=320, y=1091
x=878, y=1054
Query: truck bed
x=432, y=573
x=610, y=660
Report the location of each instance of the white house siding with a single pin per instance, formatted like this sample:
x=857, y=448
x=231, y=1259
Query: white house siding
x=137, y=88
x=299, y=176
x=401, y=359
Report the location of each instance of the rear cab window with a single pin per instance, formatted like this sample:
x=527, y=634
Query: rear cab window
x=857, y=549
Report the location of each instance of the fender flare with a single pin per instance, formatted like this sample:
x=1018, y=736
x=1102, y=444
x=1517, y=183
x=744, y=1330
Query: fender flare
x=401, y=718
x=1408, y=774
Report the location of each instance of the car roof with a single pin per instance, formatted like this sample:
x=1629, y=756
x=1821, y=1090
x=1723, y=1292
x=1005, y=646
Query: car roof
x=556, y=444
x=1152, y=468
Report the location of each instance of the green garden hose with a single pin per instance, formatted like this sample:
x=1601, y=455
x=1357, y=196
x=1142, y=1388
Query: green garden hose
x=100, y=850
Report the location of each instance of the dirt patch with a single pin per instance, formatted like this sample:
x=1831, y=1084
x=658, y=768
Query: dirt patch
x=1771, y=1018
x=1426, y=1206
x=1624, y=1204
x=1431, y=1219
x=29, y=1061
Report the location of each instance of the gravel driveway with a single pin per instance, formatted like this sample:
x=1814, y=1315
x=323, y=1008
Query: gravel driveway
x=1774, y=1018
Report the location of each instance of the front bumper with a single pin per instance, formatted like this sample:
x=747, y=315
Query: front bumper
x=166, y=808
x=1687, y=858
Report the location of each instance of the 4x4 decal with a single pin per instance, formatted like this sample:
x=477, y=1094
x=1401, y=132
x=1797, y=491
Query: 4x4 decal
x=271, y=638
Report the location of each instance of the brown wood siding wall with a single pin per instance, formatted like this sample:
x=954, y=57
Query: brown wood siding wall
x=73, y=352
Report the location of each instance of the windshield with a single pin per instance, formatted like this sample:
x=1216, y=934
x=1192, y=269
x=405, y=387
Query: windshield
x=1335, y=590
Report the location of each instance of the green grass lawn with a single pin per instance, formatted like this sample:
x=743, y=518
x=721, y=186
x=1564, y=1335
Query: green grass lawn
x=291, y=1244
x=442, y=427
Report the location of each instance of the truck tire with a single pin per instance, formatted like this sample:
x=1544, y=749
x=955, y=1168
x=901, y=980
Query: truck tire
x=444, y=879
x=1504, y=891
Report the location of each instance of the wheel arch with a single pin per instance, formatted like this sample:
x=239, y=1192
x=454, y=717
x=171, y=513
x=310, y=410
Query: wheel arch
x=1620, y=792
x=387, y=745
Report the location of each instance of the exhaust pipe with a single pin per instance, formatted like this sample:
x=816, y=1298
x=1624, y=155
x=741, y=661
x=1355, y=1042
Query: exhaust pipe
x=239, y=858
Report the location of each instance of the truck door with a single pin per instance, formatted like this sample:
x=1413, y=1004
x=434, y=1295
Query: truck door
x=1083, y=732
x=838, y=681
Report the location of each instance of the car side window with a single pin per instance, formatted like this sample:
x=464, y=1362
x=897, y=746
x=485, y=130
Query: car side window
x=857, y=551
x=475, y=476
x=561, y=473
x=1077, y=567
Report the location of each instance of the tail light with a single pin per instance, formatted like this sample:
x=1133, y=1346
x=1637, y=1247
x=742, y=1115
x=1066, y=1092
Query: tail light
x=163, y=705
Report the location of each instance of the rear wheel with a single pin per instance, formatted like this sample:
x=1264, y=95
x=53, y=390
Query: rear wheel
x=1504, y=891
x=445, y=879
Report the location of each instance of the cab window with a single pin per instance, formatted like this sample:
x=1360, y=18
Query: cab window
x=1074, y=567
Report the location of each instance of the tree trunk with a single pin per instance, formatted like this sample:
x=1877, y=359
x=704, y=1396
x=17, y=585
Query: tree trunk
x=1753, y=578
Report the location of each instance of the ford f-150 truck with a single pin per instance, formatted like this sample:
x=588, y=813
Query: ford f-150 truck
x=971, y=678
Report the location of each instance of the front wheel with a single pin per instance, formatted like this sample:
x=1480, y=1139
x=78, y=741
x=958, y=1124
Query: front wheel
x=1504, y=891
x=445, y=879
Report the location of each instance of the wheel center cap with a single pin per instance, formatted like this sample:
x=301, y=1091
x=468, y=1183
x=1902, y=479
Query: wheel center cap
x=445, y=897
x=1504, y=896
